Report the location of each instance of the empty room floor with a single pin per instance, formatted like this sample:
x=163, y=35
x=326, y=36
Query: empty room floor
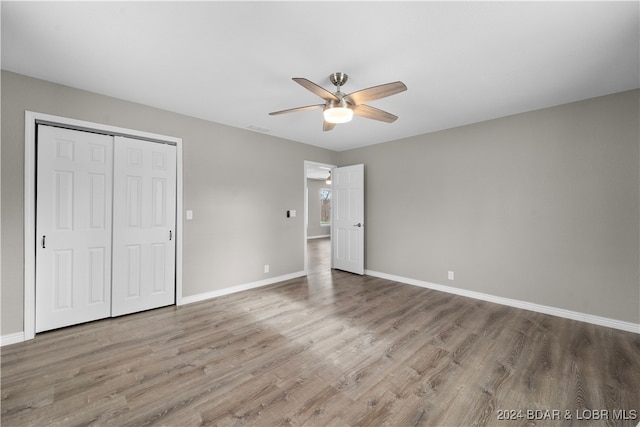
x=329, y=349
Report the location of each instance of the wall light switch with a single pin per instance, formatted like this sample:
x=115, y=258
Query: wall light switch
x=450, y=275
x=189, y=214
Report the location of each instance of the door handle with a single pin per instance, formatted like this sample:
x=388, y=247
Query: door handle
x=357, y=225
x=43, y=241
x=170, y=234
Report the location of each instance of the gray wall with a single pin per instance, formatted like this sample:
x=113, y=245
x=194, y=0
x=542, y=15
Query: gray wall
x=314, y=228
x=541, y=207
x=238, y=183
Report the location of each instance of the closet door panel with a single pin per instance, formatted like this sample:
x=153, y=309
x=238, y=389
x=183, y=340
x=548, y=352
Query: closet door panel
x=144, y=216
x=73, y=227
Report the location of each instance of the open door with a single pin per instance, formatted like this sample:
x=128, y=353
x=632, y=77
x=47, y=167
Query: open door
x=347, y=227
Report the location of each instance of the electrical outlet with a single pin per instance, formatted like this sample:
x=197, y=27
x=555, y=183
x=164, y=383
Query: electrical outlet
x=450, y=275
x=266, y=268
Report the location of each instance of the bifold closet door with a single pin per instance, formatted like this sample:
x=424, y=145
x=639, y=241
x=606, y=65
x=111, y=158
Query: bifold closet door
x=144, y=217
x=73, y=227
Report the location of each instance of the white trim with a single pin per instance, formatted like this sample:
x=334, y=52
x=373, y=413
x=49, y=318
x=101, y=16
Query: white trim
x=11, y=339
x=31, y=118
x=107, y=129
x=179, y=222
x=29, y=297
x=239, y=288
x=554, y=311
x=322, y=236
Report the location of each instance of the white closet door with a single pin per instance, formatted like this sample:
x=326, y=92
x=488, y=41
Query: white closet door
x=144, y=217
x=73, y=227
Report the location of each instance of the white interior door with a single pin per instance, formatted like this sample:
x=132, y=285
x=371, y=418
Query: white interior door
x=144, y=218
x=347, y=234
x=73, y=227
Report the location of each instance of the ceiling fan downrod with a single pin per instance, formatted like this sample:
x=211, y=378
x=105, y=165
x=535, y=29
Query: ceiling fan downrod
x=338, y=111
x=338, y=79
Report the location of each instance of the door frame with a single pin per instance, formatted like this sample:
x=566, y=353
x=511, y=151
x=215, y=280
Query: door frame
x=32, y=119
x=308, y=163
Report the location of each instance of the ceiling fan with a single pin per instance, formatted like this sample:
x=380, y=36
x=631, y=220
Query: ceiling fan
x=340, y=107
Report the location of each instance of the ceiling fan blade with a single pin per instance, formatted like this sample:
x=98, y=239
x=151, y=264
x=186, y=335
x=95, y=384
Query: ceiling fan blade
x=373, y=113
x=328, y=126
x=293, y=110
x=375, y=92
x=318, y=90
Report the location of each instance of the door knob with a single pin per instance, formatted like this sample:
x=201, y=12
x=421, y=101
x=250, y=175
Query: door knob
x=357, y=225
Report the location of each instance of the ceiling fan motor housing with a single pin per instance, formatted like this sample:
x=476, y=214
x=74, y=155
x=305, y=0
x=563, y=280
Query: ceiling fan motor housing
x=341, y=102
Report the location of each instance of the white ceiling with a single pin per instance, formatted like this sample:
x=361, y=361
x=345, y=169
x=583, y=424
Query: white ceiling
x=318, y=172
x=232, y=62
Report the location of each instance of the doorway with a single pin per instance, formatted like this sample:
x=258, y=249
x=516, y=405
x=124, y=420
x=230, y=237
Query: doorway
x=317, y=214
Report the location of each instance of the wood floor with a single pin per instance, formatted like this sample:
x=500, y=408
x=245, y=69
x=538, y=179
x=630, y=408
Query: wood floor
x=331, y=349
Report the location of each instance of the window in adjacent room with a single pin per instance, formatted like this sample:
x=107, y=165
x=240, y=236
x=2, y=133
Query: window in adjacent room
x=325, y=206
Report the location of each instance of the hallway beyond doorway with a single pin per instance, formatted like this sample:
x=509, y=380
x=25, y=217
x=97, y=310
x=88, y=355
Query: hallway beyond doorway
x=318, y=255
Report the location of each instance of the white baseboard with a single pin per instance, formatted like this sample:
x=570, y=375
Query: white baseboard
x=19, y=336
x=322, y=236
x=567, y=314
x=554, y=311
x=226, y=291
x=11, y=338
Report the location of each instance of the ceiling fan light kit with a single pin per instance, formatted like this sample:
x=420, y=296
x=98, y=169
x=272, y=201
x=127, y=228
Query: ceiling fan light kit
x=337, y=113
x=340, y=108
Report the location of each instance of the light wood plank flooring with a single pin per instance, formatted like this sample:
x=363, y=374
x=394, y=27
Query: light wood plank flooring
x=331, y=349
